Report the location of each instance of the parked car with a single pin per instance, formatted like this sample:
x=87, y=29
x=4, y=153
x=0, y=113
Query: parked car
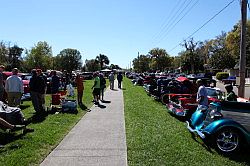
x=184, y=105
x=229, y=80
x=26, y=80
x=181, y=86
x=225, y=125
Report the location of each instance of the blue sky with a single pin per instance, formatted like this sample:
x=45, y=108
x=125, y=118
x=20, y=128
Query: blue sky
x=117, y=28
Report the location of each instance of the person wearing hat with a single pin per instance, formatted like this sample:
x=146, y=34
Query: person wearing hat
x=231, y=96
x=201, y=98
x=14, y=89
x=1, y=82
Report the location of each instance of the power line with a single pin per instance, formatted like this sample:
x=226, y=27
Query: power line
x=171, y=20
x=165, y=19
x=171, y=28
x=204, y=24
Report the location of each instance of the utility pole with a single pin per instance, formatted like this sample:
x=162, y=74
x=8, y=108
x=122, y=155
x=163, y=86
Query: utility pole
x=241, y=91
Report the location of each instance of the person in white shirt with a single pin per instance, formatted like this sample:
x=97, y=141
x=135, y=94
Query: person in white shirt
x=111, y=80
x=14, y=89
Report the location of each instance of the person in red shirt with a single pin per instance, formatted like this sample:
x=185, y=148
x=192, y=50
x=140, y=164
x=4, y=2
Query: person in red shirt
x=80, y=88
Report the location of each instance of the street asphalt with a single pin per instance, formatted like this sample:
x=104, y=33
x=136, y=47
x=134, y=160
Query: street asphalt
x=97, y=139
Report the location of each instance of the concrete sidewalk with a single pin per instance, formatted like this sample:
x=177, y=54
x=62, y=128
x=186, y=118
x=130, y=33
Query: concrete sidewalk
x=97, y=139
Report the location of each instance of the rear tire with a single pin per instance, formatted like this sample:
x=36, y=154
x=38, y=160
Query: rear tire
x=227, y=140
x=165, y=98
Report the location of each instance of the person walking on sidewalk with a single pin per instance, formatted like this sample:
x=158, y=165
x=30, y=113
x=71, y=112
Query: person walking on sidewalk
x=119, y=79
x=111, y=80
x=14, y=89
x=102, y=85
x=80, y=88
x=96, y=89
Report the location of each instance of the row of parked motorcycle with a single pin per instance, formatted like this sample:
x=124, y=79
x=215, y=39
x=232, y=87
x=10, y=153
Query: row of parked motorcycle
x=224, y=125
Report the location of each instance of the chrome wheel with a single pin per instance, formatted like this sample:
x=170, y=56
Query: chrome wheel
x=228, y=140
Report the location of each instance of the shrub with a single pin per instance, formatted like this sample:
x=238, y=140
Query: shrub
x=222, y=75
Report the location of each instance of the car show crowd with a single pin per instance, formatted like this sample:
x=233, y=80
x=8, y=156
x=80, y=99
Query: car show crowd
x=15, y=87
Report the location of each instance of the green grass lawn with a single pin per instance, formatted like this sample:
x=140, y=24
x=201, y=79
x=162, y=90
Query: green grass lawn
x=32, y=148
x=155, y=138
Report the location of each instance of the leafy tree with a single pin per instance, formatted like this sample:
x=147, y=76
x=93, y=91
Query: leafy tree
x=14, y=57
x=176, y=62
x=204, y=50
x=186, y=62
x=190, y=54
x=102, y=60
x=160, y=60
x=40, y=56
x=3, y=53
x=141, y=63
x=11, y=57
x=233, y=42
x=91, y=65
x=113, y=66
x=68, y=59
x=221, y=58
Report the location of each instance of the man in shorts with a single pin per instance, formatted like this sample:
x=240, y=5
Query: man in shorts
x=96, y=88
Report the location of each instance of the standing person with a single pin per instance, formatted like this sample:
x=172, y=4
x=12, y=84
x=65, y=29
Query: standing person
x=96, y=89
x=111, y=80
x=37, y=85
x=55, y=83
x=231, y=96
x=102, y=86
x=80, y=88
x=43, y=90
x=119, y=79
x=14, y=89
x=201, y=94
x=1, y=82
